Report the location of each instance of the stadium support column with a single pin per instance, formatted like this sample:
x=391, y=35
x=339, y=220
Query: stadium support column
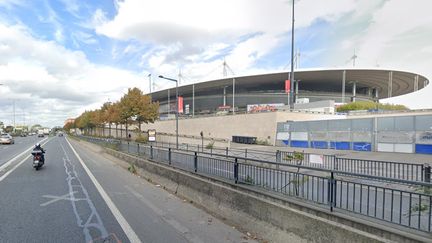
x=354, y=87
x=233, y=101
x=169, y=103
x=415, y=83
x=224, y=95
x=193, y=100
x=343, y=85
x=390, y=85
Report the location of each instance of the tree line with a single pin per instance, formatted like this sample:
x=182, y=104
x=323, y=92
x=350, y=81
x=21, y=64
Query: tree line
x=133, y=108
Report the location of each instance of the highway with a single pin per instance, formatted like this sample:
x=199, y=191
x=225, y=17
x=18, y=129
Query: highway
x=81, y=195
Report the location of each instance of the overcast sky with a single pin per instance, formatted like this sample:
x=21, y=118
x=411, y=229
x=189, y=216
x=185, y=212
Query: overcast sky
x=61, y=57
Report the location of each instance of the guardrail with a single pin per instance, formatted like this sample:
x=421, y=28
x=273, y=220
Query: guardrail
x=411, y=209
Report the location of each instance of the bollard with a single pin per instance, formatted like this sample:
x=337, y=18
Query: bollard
x=169, y=156
x=427, y=173
x=226, y=151
x=151, y=152
x=128, y=146
x=278, y=159
x=236, y=171
x=245, y=153
x=138, y=148
x=195, y=162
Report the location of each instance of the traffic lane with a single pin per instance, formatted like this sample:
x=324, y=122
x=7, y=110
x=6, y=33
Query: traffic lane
x=154, y=214
x=58, y=203
x=9, y=151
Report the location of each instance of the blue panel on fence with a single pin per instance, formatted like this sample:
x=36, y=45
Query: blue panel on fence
x=361, y=146
x=340, y=145
x=319, y=144
x=299, y=144
x=286, y=142
x=423, y=148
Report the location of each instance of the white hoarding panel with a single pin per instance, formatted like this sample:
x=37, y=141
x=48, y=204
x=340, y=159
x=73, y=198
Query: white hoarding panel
x=316, y=159
x=385, y=147
x=404, y=148
x=302, y=136
x=282, y=136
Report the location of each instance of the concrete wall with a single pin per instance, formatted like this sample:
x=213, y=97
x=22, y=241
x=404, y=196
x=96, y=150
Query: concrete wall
x=260, y=125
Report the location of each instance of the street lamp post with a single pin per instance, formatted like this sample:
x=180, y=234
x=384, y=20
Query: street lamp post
x=149, y=76
x=176, y=113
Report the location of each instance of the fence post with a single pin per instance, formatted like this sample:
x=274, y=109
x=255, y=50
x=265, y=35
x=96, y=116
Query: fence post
x=169, y=156
x=211, y=151
x=236, y=171
x=335, y=161
x=196, y=162
x=151, y=151
x=226, y=151
x=331, y=191
x=427, y=173
x=245, y=153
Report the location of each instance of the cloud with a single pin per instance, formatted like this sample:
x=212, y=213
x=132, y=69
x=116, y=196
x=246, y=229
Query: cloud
x=389, y=36
x=192, y=31
x=49, y=79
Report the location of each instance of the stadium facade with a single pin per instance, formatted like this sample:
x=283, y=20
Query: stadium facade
x=340, y=85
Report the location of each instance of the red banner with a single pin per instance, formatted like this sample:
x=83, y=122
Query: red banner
x=287, y=86
x=180, y=104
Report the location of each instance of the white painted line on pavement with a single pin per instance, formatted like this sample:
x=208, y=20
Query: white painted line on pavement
x=16, y=166
x=130, y=233
x=5, y=165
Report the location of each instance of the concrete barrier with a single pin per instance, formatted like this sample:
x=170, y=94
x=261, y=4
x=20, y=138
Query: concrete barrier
x=274, y=218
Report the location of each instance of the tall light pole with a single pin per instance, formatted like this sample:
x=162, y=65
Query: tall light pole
x=292, y=60
x=177, y=110
x=149, y=76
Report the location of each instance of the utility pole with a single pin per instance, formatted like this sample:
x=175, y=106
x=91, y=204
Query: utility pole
x=292, y=80
x=13, y=115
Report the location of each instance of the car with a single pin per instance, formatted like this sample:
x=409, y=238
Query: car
x=41, y=135
x=60, y=134
x=6, y=139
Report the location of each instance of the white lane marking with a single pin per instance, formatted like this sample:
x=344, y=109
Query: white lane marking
x=130, y=233
x=16, y=166
x=5, y=165
x=66, y=197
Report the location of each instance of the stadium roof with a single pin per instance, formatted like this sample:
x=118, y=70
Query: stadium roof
x=326, y=79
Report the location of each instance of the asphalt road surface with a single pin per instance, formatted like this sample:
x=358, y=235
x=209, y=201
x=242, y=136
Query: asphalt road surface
x=80, y=195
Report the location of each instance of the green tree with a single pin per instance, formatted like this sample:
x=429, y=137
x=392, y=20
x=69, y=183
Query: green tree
x=369, y=105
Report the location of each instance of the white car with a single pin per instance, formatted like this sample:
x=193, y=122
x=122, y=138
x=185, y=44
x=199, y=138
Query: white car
x=6, y=139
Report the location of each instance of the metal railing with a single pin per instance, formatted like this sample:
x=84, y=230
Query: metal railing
x=383, y=169
x=391, y=202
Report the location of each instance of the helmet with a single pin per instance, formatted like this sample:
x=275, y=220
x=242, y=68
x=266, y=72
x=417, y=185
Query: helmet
x=38, y=145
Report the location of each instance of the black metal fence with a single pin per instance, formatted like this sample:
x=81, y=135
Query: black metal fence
x=391, y=202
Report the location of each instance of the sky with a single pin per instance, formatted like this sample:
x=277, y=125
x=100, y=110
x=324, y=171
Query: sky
x=59, y=58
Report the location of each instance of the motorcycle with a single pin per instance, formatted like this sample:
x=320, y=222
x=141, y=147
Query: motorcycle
x=38, y=159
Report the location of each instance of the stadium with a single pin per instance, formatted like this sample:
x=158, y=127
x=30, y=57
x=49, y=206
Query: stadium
x=340, y=85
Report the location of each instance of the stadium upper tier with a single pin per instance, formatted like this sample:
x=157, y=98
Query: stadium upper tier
x=319, y=84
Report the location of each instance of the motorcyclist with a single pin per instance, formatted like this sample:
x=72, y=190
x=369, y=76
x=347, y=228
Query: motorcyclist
x=39, y=147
